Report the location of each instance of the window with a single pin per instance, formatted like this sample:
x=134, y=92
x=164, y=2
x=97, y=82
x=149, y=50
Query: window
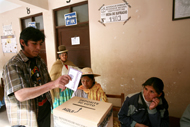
x=60, y=16
x=38, y=19
x=82, y=13
x=39, y=22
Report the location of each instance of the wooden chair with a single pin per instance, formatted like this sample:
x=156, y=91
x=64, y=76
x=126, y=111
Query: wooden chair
x=116, y=108
x=174, y=121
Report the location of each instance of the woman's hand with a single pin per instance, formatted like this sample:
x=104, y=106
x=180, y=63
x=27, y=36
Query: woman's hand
x=154, y=103
x=140, y=125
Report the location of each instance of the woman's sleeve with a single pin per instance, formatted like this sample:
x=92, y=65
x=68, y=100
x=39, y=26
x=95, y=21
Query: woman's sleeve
x=185, y=119
x=103, y=96
x=56, y=70
x=159, y=118
x=124, y=114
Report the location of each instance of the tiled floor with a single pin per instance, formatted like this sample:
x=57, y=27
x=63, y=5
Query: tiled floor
x=4, y=120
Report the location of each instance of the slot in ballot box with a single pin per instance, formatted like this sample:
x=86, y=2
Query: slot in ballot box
x=82, y=112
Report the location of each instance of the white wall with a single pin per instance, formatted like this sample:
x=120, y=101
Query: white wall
x=149, y=44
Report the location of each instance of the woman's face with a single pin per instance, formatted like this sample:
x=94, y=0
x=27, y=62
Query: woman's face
x=150, y=93
x=87, y=82
x=63, y=56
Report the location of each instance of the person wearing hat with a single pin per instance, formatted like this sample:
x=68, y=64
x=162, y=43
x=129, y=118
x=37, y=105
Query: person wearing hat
x=61, y=67
x=90, y=88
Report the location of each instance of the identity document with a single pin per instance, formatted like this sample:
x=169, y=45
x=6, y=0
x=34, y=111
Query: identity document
x=75, y=76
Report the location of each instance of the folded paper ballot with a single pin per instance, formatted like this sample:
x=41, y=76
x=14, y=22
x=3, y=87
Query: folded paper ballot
x=75, y=76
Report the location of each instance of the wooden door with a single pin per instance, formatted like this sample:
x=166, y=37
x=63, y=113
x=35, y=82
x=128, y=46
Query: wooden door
x=78, y=54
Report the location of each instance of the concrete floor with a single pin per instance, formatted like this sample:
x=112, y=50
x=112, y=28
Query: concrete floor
x=4, y=120
x=3, y=117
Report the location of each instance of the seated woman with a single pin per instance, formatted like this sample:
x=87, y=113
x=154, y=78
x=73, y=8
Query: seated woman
x=89, y=88
x=147, y=108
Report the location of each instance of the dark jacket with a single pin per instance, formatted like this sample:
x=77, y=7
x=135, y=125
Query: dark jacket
x=134, y=110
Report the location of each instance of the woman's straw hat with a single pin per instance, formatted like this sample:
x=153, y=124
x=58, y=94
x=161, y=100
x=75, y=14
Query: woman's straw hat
x=88, y=71
x=62, y=49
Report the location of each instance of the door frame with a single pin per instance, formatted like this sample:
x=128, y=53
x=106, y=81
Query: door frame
x=55, y=22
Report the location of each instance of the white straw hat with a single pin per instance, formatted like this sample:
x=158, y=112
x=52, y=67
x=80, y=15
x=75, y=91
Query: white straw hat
x=88, y=71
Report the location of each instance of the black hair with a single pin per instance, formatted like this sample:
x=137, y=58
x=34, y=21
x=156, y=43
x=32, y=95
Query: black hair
x=156, y=83
x=31, y=33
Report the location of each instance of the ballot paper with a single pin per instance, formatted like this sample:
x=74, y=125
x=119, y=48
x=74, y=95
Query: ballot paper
x=75, y=76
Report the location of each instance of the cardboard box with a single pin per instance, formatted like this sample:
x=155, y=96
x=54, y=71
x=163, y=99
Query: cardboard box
x=82, y=112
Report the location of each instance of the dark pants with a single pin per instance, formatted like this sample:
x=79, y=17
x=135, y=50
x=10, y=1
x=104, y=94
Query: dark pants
x=46, y=122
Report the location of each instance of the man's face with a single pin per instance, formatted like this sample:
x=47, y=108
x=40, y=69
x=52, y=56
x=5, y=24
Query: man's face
x=32, y=49
x=63, y=56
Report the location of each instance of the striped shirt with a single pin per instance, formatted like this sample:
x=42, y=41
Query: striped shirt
x=17, y=75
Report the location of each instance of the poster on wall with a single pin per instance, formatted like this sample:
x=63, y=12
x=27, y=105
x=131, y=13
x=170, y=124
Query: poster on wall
x=7, y=30
x=181, y=9
x=9, y=44
x=114, y=13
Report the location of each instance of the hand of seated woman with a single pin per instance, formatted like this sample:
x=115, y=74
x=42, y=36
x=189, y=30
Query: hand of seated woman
x=154, y=103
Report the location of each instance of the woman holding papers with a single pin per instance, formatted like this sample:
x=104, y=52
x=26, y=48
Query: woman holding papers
x=89, y=88
x=148, y=108
x=61, y=67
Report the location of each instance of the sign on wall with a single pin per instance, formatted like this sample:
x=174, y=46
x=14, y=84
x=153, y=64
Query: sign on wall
x=9, y=44
x=32, y=24
x=75, y=40
x=70, y=19
x=7, y=30
x=114, y=13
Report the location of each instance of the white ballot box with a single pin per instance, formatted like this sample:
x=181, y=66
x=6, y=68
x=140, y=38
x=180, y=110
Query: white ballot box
x=82, y=112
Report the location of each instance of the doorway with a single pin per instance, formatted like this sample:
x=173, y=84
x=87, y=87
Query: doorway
x=79, y=54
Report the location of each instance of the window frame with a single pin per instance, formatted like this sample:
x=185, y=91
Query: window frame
x=70, y=10
x=32, y=17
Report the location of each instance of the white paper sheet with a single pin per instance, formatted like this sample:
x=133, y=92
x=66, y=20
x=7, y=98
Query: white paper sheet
x=75, y=40
x=75, y=76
